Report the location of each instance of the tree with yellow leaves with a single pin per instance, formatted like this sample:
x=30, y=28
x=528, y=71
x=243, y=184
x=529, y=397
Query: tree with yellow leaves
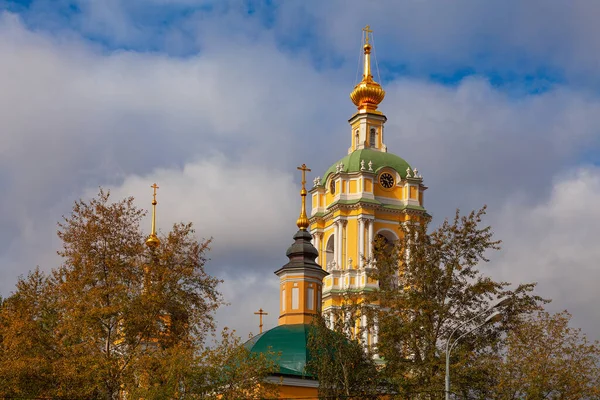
x=117, y=317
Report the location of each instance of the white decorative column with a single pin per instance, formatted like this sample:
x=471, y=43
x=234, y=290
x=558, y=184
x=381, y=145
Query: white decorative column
x=361, y=241
x=344, y=246
x=317, y=244
x=338, y=244
x=371, y=223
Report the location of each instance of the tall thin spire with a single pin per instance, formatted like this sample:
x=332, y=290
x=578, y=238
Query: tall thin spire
x=302, y=221
x=367, y=59
x=367, y=94
x=153, y=240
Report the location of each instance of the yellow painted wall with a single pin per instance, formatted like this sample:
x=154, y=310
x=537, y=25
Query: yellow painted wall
x=353, y=186
x=302, y=314
x=395, y=193
x=351, y=235
x=298, y=392
x=413, y=192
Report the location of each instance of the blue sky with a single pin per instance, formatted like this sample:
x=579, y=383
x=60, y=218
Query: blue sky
x=495, y=102
x=148, y=23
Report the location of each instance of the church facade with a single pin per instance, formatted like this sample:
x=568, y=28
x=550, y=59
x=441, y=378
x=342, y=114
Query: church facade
x=369, y=192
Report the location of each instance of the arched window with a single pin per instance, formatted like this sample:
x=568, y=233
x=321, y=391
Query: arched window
x=329, y=252
x=384, y=246
x=356, y=140
x=372, y=137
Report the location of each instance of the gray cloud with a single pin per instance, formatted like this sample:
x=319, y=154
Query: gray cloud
x=553, y=243
x=236, y=119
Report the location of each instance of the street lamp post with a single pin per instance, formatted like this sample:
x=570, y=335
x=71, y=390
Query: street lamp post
x=495, y=317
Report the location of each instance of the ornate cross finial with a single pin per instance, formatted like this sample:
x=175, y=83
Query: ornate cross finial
x=154, y=186
x=302, y=221
x=260, y=313
x=367, y=30
x=304, y=170
x=153, y=240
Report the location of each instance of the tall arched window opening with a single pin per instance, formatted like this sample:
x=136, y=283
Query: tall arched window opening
x=372, y=137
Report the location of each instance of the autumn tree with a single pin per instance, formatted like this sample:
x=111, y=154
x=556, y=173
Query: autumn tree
x=430, y=283
x=339, y=359
x=542, y=357
x=29, y=351
x=117, y=317
x=231, y=371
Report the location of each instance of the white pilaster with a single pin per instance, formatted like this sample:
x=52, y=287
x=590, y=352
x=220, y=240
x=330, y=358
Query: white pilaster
x=317, y=244
x=344, y=247
x=370, y=245
x=338, y=243
x=361, y=241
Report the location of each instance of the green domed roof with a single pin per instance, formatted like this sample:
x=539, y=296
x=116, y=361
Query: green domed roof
x=378, y=158
x=289, y=343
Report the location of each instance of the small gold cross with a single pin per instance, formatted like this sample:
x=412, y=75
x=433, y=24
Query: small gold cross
x=367, y=30
x=154, y=186
x=261, y=313
x=304, y=169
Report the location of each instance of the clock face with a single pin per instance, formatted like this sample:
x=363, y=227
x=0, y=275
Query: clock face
x=386, y=180
x=332, y=187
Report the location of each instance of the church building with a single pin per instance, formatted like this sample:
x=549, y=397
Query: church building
x=367, y=193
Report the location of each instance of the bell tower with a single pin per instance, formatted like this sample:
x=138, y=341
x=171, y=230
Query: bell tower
x=367, y=193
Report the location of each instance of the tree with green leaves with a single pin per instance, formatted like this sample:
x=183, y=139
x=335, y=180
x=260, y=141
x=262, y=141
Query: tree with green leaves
x=344, y=367
x=542, y=357
x=430, y=283
x=117, y=317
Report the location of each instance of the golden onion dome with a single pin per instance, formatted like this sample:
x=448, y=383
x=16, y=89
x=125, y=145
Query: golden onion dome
x=367, y=94
x=152, y=241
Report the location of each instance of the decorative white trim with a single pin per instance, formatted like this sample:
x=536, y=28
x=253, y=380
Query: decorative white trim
x=388, y=230
x=298, y=382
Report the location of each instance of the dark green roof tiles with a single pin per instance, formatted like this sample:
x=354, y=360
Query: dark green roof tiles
x=289, y=345
x=378, y=158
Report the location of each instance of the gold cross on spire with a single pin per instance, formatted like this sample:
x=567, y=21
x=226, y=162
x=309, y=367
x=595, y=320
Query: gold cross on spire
x=153, y=240
x=260, y=313
x=154, y=186
x=302, y=221
x=367, y=30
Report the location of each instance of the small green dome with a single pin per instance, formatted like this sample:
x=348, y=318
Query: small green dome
x=378, y=158
x=289, y=343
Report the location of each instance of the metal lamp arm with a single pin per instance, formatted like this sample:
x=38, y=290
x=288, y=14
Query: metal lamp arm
x=465, y=334
x=463, y=324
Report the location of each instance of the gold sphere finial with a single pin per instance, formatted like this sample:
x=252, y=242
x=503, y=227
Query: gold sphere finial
x=367, y=94
x=302, y=221
x=153, y=241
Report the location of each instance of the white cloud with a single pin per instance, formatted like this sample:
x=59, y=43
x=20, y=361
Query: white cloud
x=245, y=208
x=247, y=293
x=223, y=131
x=554, y=243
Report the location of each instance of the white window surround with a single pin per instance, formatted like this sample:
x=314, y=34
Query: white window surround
x=295, y=298
x=310, y=298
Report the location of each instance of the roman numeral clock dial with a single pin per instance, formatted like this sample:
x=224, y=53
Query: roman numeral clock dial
x=386, y=180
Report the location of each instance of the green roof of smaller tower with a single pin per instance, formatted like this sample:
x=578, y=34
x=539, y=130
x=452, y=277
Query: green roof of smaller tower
x=379, y=159
x=289, y=345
